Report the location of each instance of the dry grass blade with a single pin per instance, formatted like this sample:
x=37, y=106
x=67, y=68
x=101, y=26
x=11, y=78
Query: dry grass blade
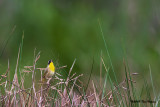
x=33, y=78
x=96, y=97
x=63, y=102
x=62, y=67
x=62, y=92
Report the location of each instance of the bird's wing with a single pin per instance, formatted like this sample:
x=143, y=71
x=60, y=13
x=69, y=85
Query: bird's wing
x=44, y=75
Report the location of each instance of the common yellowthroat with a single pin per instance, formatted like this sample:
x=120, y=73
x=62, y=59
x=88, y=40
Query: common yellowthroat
x=50, y=70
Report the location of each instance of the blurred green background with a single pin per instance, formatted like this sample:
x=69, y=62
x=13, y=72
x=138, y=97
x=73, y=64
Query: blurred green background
x=63, y=30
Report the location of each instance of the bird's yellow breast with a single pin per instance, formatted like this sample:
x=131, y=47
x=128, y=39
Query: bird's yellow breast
x=51, y=67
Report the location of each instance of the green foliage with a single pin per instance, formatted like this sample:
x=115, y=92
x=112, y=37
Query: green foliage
x=63, y=31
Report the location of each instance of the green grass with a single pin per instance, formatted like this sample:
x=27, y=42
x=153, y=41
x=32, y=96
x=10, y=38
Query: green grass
x=67, y=92
x=70, y=91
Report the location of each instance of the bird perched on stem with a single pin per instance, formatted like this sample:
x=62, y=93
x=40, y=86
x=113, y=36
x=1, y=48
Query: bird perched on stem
x=50, y=70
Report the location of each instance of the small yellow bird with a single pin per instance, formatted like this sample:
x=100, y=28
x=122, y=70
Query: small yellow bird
x=50, y=70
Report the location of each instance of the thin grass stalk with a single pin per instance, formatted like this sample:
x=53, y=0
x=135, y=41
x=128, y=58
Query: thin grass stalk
x=128, y=86
x=66, y=84
x=97, y=101
x=140, y=96
x=148, y=93
x=154, y=93
x=105, y=82
x=100, y=70
x=111, y=84
x=128, y=70
x=79, y=91
x=4, y=44
x=112, y=90
x=131, y=82
x=55, y=96
x=110, y=61
x=158, y=101
x=33, y=79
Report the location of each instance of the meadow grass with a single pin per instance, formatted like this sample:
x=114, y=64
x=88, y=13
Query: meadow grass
x=70, y=91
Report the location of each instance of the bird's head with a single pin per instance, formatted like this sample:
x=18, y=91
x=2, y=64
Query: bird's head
x=51, y=65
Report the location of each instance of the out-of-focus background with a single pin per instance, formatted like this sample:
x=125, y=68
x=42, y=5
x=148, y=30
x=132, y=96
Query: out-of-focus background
x=66, y=30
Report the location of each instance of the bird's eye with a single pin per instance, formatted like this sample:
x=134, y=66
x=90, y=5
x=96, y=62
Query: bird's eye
x=49, y=61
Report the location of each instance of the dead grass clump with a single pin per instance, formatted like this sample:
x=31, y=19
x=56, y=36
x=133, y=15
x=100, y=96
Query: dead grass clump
x=58, y=91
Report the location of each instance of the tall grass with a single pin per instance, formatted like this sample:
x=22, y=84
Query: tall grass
x=67, y=92
x=70, y=91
